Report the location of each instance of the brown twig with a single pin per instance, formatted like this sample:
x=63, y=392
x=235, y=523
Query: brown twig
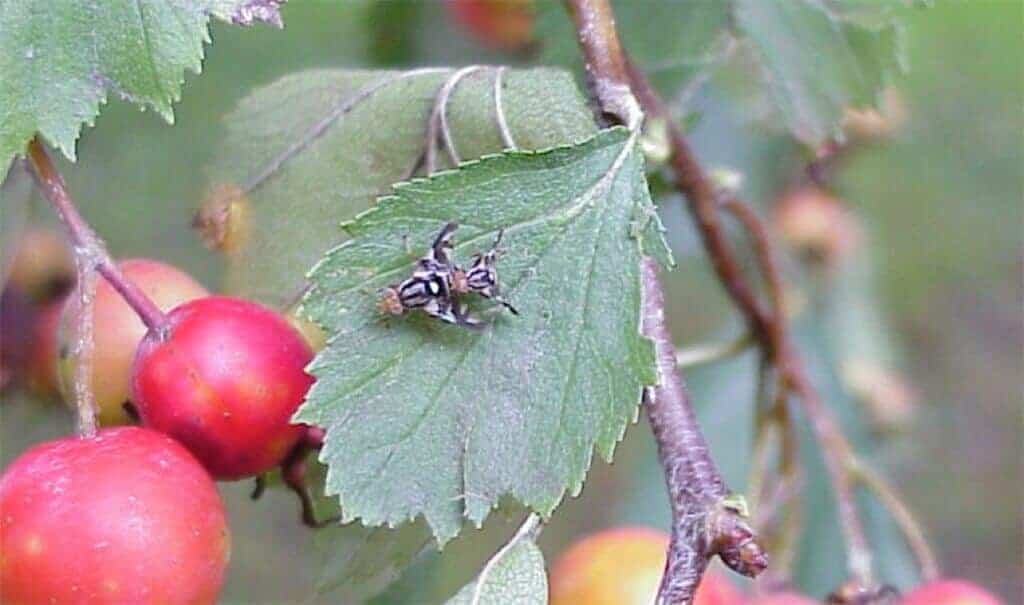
x=703, y=200
x=769, y=327
x=768, y=267
x=84, y=239
x=91, y=257
x=607, y=73
x=706, y=519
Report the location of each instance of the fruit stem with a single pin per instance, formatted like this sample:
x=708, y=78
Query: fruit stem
x=86, y=243
x=706, y=353
x=91, y=257
x=904, y=518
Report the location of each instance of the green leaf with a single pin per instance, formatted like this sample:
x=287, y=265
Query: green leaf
x=317, y=147
x=821, y=549
x=359, y=562
x=424, y=418
x=60, y=58
x=817, y=60
x=514, y=576
x=673, y=41
x=356, y=562
x=816, y=63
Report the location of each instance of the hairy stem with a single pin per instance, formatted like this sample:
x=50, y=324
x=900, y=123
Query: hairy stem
x=607, y=73
x=707, y=520
x=91, y=257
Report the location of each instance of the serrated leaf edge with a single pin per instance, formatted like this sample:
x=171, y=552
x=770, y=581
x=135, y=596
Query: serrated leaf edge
x=575, y=484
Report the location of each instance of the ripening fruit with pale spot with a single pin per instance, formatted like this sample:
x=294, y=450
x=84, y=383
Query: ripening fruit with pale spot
x=223, y=220
x=950, y=592
x=225, y=381
x=117, y=331
x=818, y=226
x=623, y=566
x=498, y=24
x=42, y=268
x=128, y=516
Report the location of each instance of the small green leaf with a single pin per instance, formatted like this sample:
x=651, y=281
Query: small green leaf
x=817, y=64
x=818, y=59
x=514, y=576
x=60, y=58
x=359, y=562
x=425, y=418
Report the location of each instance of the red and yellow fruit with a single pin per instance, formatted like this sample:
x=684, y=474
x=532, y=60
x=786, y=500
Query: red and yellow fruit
x=225, y=381
x=117, y=331
x=950, y=592
x=128, y=516
x=498, y=24
x=782, y=598
x=623, y=566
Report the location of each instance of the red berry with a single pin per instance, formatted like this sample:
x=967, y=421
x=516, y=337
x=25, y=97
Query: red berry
x=225, y=382
x=623, y=566
x=950, y=592
x=497, y=24
x=783, y=598
x=128, y=516
x=117, y=331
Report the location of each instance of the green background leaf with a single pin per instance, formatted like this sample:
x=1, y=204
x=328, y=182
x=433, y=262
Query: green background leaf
x=431, y=419
x=814, y=60
x=358, y=562
x=332, y=164
x=674, y=41
x=60, y=58
x=515, y=576
x=816, y=64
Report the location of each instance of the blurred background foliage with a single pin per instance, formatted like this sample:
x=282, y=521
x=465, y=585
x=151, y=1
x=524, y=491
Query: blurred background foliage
x=935, y=291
